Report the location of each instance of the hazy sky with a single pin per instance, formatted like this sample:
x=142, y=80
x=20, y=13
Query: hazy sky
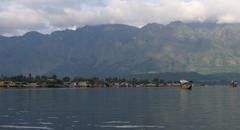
x=20, y=16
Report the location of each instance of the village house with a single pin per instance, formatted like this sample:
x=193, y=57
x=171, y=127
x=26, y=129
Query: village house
x=116, y=84
x=124, y=84
x=139, y=85
x=97, y=84
x=150, y=85
x=83, y=84
x=7, y=84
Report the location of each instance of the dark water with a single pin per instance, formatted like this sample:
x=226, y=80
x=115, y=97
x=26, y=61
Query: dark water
x=208, y=108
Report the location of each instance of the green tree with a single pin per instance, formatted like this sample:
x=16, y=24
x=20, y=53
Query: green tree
x=37, y=78
x=29, y=78
x=78, y=79
x=66, y=79
x=155, y=80
x=44, y=78
x=54, y=77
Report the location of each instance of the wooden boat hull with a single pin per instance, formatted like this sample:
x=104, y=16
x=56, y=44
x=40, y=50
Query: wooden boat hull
x=186, y=86
x=234, y=84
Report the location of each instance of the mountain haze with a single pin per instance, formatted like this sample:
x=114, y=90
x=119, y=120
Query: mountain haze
x=115, y=49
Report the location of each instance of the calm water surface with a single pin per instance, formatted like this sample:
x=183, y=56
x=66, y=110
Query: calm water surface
x=208, y=108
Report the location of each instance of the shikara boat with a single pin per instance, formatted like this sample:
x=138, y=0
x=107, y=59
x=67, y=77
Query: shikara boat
x=184, y=84
x=234, y=84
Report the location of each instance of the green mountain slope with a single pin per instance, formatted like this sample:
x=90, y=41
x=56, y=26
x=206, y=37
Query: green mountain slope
x=112, y=50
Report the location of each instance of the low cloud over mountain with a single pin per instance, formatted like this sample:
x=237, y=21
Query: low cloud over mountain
x=20, y=16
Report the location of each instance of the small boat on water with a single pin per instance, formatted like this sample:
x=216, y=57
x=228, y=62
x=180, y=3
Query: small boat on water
x=234, y=84
x=184, y=84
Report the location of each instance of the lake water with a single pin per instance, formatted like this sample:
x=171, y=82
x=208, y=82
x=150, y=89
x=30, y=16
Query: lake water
x=208, y=108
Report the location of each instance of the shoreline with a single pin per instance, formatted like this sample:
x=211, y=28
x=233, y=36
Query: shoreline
x=53, y=81
x=79, y=85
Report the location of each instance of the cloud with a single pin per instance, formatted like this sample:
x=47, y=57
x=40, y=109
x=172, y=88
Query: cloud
x=20, y=16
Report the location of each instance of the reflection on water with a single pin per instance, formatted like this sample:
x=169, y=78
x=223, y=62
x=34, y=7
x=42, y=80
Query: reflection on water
x=183, y=99
x=210, y=108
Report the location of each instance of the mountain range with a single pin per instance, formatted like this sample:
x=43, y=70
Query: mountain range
x=116, y=49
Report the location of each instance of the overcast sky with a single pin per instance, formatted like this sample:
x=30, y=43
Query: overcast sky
x=20, y=16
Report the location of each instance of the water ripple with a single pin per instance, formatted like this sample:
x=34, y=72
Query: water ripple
x=25, y=127
x=129, y=126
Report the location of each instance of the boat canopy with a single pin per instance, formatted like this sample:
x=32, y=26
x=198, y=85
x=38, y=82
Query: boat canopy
x=184, y=81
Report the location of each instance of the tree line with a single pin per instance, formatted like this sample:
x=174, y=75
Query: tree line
x=54, y=78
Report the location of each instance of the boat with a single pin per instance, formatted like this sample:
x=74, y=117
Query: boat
x=184, y=84
x=234, y=84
